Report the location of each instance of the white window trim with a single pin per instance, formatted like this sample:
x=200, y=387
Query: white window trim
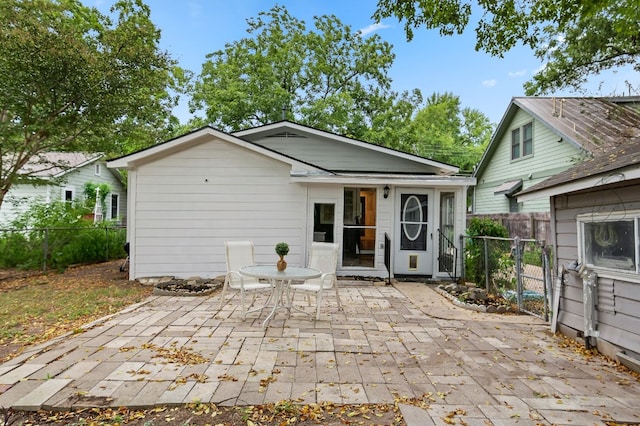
x=633, y=215
x=70, y=189
x=97, y=169
x=522, y=156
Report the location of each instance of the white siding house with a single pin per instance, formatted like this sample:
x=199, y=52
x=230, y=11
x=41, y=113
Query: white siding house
x=63, y=176
x=287, y=182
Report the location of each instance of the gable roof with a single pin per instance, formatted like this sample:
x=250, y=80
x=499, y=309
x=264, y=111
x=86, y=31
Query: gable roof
x=193, y=138
x=56, y=164
x=303, y=163
x=590, y=124
x=288, y=129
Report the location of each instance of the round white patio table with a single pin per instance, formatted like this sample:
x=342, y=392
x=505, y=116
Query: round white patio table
x=280, y=281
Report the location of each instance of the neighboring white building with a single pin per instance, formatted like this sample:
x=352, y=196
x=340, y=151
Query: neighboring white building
x=288, y=182
x=68, y=173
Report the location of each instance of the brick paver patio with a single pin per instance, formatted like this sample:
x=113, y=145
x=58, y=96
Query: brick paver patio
x=403, y=341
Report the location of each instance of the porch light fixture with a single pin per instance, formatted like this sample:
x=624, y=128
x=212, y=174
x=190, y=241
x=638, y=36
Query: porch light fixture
x=386, y=191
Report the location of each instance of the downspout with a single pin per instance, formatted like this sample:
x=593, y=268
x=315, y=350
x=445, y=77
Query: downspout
x=590, y=300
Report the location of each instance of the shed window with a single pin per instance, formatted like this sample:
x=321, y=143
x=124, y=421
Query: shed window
x=522, y=141
x=610, y=242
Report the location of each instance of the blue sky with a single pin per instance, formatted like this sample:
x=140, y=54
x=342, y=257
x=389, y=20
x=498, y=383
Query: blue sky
x=193, y=28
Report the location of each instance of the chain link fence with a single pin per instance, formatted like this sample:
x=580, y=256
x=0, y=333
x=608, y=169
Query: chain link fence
x=57, y=248
x=516, y=269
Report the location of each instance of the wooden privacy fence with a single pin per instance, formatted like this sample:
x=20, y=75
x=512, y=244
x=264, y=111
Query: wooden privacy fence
x=534, y=226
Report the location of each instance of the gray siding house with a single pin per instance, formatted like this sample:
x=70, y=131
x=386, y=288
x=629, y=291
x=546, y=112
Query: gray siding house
x=595, y=218
x=62, y=176
x=288, y=182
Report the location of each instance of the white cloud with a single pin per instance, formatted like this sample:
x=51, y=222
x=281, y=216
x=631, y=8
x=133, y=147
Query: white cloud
x=489, y=83
x=372, y=28
x=519, y=73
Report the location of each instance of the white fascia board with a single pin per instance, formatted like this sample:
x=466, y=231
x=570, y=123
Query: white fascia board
x=131, y=161
x=579, y=185
x=387, y=180
x=93, y=159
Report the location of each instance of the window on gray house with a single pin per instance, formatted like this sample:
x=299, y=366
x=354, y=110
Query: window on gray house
x=610, y=241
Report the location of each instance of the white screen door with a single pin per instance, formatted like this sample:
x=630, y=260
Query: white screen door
x=414, y=234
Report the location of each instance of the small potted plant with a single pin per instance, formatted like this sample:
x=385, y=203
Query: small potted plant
x=282, y=249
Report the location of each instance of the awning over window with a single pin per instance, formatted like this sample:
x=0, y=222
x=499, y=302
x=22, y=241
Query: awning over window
x=508, y=188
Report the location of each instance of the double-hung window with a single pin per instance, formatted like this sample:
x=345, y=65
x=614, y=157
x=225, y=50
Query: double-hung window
x=522, y=141
x=609, y=242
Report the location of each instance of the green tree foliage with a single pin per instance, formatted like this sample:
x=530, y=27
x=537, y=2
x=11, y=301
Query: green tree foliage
x=475, y=260
x=330, y=77
x=576, y=39
x=76, y=80
x=446, y=132
x=91, y=190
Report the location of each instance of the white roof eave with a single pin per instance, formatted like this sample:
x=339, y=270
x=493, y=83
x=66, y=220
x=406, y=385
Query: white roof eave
x=397, y=180
x=581, y=184
x=131, y=161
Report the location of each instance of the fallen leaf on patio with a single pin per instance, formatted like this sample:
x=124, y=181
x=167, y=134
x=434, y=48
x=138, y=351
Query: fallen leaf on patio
x=264, y=382
x=227, y=378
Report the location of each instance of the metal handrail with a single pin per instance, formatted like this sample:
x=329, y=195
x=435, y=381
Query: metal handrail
x=447, y=256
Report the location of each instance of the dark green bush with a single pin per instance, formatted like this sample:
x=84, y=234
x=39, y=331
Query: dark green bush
x=57, y=235
x=475, y=248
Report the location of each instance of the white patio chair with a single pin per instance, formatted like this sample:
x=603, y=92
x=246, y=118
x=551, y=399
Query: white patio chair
x=239, y=254
x=324, y=257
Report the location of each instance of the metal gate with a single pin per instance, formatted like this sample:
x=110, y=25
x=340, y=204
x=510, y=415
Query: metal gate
x=517, y=269
x=533, y=280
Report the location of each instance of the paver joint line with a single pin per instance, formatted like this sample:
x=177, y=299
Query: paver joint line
x=405, y=342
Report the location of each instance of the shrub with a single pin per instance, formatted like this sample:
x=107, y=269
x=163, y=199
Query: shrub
x=57, y=235
x=474, y=249
x=504, y=278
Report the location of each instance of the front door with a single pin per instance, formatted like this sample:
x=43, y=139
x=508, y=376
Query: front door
x=414, y=248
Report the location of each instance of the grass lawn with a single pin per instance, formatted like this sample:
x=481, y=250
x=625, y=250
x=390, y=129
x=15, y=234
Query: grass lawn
x=37, y=307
